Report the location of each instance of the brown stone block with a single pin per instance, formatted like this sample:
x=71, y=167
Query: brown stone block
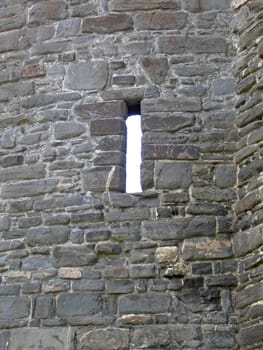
x=250, y=335
x=172, y=44
x=45, y=11
x=141, y=5
x=161, y=20
x=206, y=248
x=104, y=178
x=32, y=71
x=179, y=152
x=169, y=123
x=103, y=127
x=111, y=109
x=107, y=24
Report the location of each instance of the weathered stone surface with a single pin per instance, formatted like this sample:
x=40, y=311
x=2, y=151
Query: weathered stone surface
x=59, y=338
x=161, y=20
x=102, y=179
x=70, y=256
x=205, y=249
x=47, y=235
x=111, y=109
x=46, y=11
x=13, y=40
x=43, y=307
x=122, y=5
x=91, y=75
x=12, y=308
x=166, y=255
x=45, y=99
x=182, y=104
x=171, y=123
x=250, y=335
x=242, y=242
x=102, y=127
x=172, y=176
x=78, y=304
x=151, y=337
x=105, y=339
x=155, y=68
x=180, y=152
x=22, y=173
x=107, y=24
x=66, y=130
x=141, y=303
x=28, y=188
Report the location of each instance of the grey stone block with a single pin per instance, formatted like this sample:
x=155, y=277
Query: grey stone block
x=59, y=338
x=29, y=188
x=173, y=175
x=92, y=75
x=78, y=304
x=13, y=308
x=144, y=303
x=66, y=130
x=47, y=235
x=105, y=339
x=73, y=256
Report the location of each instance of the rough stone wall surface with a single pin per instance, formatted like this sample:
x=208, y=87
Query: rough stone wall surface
x=83, y=264
x=247, y=243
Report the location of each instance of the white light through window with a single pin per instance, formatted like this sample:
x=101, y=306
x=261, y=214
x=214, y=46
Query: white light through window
x=133, y=154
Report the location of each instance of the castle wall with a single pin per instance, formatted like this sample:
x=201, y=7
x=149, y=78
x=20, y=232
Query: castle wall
x=83, y=264
x=248, y=241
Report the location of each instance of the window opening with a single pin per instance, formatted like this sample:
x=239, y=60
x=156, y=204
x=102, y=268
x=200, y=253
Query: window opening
x=133, y=151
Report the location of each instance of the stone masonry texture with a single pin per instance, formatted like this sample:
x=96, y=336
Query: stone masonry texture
x=85, y=265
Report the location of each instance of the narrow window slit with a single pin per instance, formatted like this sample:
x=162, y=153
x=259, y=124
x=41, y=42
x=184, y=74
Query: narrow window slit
x=133, y=151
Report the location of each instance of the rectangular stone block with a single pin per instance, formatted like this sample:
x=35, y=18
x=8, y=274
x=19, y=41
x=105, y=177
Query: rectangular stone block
x=206, y=249
x=105, y=339
x=47, y=235
x=28, y=188
x=111, y=109
x=102, y=127
x=101, y=179
x=19, y=89
x=47, y=11
x=78, y=304
x=248, y=240
x=181, y=104
x=170, y=123
x=149, y=303
x=248, y=336
x=163, y=229
x=141, y=5
x=59, y=338
x=13, y=40
x=179, y=152
x=91, y=75
x=249, y=295
x=14, y=308
x=71, y=256
x=205, y=44
x=26, y=172
x=151, y=337
x=107, y=24
x=160, y=20
x=45, y=99
x=173, y=175
x=12, y=17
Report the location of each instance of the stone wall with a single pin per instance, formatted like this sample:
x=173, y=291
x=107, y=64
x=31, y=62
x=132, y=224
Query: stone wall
x=83, y=264
x=248, y=241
